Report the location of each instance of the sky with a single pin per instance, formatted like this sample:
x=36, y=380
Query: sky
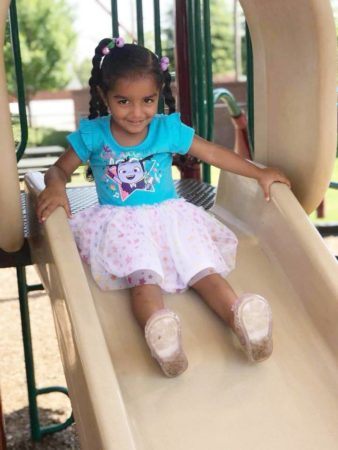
x=92, y=23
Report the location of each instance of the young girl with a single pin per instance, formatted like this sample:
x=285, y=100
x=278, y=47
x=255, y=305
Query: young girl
x=141, y=235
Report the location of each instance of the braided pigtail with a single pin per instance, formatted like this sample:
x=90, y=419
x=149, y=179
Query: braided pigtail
x=169, y=99
x=97, y=107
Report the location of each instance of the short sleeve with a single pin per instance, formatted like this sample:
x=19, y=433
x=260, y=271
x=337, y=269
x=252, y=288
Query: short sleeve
x=181, y=135
x=81, y=140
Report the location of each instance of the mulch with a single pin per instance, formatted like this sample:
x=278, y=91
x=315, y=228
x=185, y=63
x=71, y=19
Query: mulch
x=54, y=407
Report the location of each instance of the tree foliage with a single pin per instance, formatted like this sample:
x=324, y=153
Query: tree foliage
x=222, y=40
x=222, y=36
x=47, y=41
x=82, y=71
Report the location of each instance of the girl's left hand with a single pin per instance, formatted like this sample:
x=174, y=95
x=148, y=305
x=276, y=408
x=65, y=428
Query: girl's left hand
x=269, y=176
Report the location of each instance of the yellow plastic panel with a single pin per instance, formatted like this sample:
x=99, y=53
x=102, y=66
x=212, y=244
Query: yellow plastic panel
x=11, y=224
x=124, y=402
x=294, y=47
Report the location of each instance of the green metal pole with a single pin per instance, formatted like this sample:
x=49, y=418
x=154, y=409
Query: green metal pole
x=37, y=431
x=158, y=43
x=115, y=18
x=209, y=84
x=28, y=352
x=201, y=80
x=250, y=89
x=200, y=61
x=139, y=14
x=208, y=70
x=192, y=60
x=13, y=21
x=157, y=28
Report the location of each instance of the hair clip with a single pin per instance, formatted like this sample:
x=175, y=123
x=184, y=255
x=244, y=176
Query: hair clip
x=119, y=42
x=115, y=42
x=164, y=63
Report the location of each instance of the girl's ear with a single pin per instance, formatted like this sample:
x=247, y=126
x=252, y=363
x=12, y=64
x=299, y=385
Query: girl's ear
x=102, y=96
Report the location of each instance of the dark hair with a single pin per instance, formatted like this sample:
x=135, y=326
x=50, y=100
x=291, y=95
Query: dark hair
x=128, y=61
x=131, y=60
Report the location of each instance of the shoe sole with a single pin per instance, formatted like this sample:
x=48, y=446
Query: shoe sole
x=160, y=336
x=254, y=321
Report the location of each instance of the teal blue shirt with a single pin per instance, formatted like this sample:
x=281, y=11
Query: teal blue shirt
x=129, y=176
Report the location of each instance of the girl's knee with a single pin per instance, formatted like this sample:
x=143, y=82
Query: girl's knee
x=210, y=281
x=145, y=287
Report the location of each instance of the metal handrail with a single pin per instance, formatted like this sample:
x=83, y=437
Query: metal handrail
x=227, y=97
x=14, y=32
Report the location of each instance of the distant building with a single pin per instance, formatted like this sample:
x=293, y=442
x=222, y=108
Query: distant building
x=58, y=110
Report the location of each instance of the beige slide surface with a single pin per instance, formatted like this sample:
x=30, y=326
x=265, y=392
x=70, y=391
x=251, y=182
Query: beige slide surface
x=121, y=399
x=294, y=53
x=11, y=223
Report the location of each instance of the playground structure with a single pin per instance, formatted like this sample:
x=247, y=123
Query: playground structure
x=120, y=399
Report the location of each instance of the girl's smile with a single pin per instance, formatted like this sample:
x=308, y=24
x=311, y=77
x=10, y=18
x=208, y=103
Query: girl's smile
x=132, y=103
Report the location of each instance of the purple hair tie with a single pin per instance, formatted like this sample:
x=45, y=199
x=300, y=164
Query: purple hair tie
x=119, y=42
x=115, y=42
x=164, y=63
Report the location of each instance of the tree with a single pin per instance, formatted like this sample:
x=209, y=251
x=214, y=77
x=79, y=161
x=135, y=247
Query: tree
x=82, y=71
x=47, y=42
x=222, y=40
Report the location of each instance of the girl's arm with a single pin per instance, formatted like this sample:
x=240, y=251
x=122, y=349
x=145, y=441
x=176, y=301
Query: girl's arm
x=225, y=159
x=56, y=177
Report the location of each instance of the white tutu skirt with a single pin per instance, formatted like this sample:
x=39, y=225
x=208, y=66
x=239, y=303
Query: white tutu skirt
x=173, y=244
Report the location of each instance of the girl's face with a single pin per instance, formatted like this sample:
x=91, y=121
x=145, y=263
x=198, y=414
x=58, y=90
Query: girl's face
x=133, y=103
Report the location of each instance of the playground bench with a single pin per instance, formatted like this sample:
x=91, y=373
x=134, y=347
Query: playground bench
x=39, y=159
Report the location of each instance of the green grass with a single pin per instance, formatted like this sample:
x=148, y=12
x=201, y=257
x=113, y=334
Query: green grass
x=41, y=136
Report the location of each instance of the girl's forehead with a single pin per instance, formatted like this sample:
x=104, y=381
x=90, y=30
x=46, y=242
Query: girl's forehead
x=142, y=86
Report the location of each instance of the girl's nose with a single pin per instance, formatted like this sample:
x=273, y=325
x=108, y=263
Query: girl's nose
x=137, y=112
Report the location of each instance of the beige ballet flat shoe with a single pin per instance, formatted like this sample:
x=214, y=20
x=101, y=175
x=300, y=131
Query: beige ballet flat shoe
x=253, y=326
x=163, y=336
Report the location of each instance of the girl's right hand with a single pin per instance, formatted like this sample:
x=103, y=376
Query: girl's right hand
x=49, y=199
x=56, y=177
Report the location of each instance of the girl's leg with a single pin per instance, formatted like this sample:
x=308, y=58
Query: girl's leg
x=146, y=300
x=162, y=328
x=249, y=316
x=218, y=294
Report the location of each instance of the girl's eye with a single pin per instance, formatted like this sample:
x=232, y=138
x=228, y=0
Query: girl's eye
x=148, y=100
x=136, y=169
x=124, y=101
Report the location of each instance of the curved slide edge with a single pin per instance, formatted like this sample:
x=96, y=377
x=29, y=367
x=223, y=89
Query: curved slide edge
x=294, y=49
x=11, y=222
x=121, y=402
x=289, y=239
x=99, y=411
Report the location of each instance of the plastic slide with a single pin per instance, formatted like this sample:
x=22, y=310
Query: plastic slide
x=120, y=398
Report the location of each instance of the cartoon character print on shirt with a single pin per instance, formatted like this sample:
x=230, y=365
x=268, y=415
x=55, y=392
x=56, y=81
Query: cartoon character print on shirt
x=131, y=176
x=129, y=173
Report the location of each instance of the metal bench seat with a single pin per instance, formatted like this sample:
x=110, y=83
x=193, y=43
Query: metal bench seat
x=81, y=197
